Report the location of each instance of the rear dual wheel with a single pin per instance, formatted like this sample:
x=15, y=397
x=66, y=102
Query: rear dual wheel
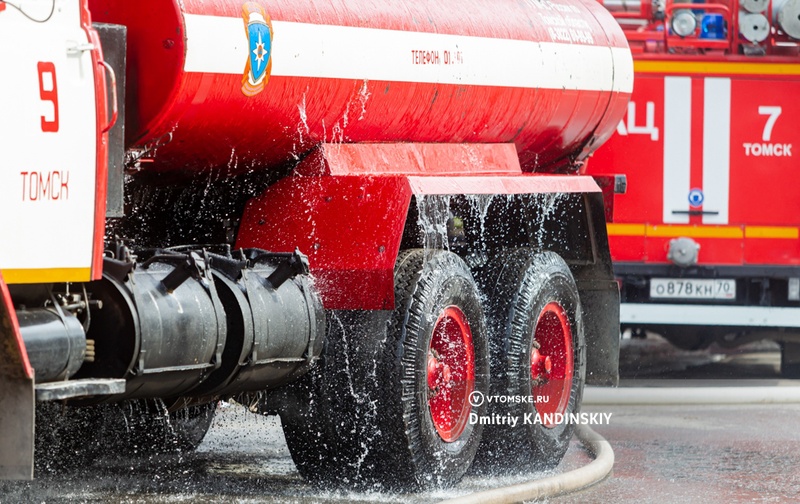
x=538, y=355
x=441, y=334
x=389, y=404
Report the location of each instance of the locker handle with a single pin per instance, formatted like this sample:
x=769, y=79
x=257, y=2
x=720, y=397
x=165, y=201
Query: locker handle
x=114, y=107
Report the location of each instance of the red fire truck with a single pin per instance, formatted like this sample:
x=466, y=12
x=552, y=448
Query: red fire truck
x=364, y=217
x=705, y=241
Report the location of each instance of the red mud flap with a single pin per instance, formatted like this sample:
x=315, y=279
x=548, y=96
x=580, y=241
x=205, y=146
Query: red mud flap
x=16, y=396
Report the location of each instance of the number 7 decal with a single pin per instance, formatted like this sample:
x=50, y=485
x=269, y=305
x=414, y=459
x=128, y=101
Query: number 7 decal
x=48, y=91
x=773, y=113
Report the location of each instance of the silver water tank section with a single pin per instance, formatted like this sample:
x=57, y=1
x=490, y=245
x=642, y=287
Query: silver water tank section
x=786, y=14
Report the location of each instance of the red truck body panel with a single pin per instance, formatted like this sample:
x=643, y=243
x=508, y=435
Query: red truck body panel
x=709, y=148
x=729, y=152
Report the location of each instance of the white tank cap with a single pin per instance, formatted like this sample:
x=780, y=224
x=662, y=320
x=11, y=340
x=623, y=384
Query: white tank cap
x=753, y=27
x=683, y=251
x=754, y=5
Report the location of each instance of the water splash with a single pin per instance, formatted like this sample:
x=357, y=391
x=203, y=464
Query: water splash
x=365, y=399
x=303, y=125
x=363, y=97
x=548, y=205
x=233, y=161
x=433, y=214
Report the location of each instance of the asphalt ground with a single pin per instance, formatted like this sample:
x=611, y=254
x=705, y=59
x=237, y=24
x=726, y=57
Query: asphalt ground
x=667, y=453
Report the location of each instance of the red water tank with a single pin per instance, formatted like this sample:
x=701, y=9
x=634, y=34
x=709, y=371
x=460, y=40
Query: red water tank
x=253, y=84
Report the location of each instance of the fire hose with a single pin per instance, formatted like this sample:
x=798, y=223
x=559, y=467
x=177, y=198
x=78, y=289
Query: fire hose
x=594, y=472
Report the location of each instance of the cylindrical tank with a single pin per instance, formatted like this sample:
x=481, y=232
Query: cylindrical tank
x=787, y=15
x=161, y=327
x=54, y=340
x=254, y=84
x=276, y=332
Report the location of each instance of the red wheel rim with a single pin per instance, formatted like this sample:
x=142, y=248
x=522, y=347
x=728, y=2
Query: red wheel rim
x=552, y=363
x=450, y=373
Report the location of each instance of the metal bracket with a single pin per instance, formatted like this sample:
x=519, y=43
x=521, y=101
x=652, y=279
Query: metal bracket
x=56, y=391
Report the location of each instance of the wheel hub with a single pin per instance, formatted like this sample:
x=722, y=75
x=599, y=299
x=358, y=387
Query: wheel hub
x=450, y=373
x=552, y=363
x=541, y=365
x=439, y=373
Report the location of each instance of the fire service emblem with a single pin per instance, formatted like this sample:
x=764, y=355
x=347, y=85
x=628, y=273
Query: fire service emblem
x=258, y=27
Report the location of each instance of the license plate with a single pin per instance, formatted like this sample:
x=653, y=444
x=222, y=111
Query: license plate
x=692, y=288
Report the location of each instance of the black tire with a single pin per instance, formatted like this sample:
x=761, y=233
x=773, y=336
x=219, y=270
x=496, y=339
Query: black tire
x=326, y=412
x=525, y=289
x=367, y=420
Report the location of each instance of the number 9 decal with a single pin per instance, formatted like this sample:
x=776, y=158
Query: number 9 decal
x=48, y=91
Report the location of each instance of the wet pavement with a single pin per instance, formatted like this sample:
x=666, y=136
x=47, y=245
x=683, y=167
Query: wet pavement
x=700, y=454
x=704, y=454
x=710, y=454
x=242, y=459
